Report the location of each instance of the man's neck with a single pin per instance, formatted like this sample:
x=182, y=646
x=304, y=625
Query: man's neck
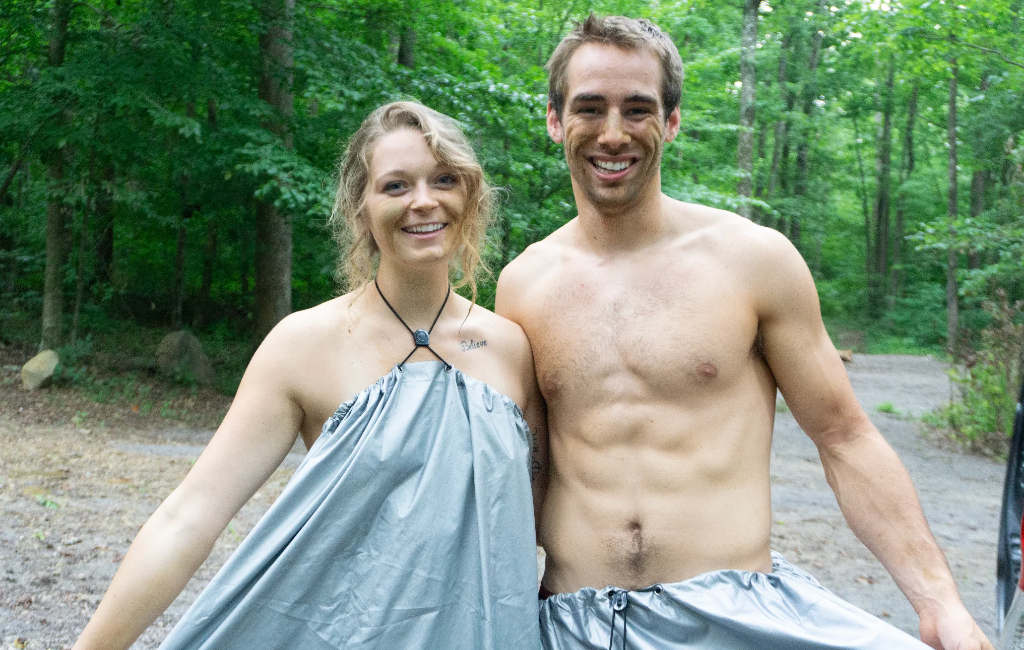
x=632, y=227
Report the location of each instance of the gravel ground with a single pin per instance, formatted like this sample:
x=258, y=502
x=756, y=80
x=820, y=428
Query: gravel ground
x=71, y=499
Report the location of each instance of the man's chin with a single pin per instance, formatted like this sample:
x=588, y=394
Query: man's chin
x=612, y=200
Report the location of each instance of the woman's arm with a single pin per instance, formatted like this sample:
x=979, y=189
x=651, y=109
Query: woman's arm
x=258, y=431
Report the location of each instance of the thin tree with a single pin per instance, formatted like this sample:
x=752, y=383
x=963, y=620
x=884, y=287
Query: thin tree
x=745, y=142
x=880, y=212
x=56, y=207
x=952, y=307
x=906, y=169
x=810, y=92
x=273, y=228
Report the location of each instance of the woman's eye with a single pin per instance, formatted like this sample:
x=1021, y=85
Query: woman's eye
x=447, y=180
x=393, y=186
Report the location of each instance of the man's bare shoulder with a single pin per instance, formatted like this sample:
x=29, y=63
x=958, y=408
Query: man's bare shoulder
x=541, y=255
x=734, y=237
x=530, y=268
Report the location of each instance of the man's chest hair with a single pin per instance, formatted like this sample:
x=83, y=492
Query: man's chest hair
x=669, y=336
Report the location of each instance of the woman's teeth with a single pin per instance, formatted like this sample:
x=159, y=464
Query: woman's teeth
x=429, y=227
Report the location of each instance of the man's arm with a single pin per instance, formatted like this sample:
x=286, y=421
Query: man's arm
x=508, y=293
x=871, y=485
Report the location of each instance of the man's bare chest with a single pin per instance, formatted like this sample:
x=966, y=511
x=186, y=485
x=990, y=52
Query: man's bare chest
x=648, y=333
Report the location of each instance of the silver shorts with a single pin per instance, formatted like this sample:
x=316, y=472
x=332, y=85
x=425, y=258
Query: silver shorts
x=722, y=610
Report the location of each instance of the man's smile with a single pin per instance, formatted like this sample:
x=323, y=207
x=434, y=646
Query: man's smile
x=612, y=167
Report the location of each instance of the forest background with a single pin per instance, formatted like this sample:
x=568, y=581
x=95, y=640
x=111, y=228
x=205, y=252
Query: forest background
x=169, y=164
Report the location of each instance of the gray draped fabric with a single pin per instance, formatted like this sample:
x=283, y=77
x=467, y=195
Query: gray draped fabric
x=408, y=525
x=722, y=610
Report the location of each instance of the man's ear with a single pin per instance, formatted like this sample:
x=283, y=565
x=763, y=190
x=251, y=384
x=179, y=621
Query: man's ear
x=672, y=125
x=555, y=125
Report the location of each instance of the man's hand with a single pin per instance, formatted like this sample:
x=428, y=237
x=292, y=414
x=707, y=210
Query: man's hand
x=952, y=628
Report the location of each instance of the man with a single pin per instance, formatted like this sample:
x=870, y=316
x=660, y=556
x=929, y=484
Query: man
x=660, y=332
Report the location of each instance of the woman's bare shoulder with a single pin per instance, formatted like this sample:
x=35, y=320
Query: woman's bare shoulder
x=503, y=342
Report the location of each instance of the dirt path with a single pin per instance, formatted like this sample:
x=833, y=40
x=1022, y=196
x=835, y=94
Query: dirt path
x=71, y=499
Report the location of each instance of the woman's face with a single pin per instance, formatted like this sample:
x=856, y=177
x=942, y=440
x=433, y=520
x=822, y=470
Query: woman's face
x=414, y=203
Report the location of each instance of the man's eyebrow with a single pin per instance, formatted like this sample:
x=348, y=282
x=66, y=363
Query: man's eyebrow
x=587, y=97
x=641, y=99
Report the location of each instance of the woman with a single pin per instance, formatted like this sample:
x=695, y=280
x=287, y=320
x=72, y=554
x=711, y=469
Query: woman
x=409, y=523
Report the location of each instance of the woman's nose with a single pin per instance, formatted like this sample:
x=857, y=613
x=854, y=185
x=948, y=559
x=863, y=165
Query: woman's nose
x=423, y=197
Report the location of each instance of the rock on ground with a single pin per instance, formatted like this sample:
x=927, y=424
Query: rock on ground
x=183, y=350
x=38, y=370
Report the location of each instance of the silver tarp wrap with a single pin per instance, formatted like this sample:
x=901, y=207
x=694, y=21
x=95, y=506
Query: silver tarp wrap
x=722, y=610
x=408, y=525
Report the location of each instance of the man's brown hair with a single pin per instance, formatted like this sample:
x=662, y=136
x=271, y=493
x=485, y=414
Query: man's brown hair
x=627, y=33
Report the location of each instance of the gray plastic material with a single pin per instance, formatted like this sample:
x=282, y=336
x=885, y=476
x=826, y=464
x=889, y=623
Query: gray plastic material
x=723, y=610
x=408, y=525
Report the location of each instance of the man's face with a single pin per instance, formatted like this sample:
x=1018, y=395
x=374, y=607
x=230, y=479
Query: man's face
x=612, y=124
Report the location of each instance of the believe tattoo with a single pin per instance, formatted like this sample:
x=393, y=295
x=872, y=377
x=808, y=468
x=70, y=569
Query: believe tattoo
x=471, y=345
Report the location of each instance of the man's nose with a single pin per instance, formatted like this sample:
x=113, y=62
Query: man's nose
x=423, y=197
x=613, y=135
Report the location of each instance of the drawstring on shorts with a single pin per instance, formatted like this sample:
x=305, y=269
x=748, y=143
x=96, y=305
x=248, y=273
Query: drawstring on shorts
x=619, y=601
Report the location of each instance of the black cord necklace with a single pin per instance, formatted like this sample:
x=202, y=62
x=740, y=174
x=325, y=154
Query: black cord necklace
x=421, y=338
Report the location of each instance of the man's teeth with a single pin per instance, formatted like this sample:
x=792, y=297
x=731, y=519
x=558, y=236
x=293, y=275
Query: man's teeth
x=430, y=227
x=612, y=166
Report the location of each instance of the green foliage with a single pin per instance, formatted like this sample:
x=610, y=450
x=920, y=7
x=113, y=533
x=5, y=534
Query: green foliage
x=887, y=407
x=988, y=381
x=157, y=117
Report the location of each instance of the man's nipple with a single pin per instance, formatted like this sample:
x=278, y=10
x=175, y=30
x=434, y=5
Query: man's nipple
x=707, y=370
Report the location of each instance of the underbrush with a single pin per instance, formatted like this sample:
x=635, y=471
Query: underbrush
x=115, y=362
x=987, y=380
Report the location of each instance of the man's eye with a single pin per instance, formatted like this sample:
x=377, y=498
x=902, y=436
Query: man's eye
x=639, y=111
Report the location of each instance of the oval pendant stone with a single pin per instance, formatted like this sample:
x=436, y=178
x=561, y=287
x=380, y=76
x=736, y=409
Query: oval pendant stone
x=421, y=337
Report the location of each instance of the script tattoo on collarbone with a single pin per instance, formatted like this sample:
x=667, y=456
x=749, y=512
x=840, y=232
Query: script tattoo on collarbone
x=472, y=345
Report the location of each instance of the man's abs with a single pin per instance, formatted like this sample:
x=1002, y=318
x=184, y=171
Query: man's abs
x=650, y=493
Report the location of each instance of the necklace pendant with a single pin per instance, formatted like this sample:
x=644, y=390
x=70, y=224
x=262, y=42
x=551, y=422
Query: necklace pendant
x=421, y=338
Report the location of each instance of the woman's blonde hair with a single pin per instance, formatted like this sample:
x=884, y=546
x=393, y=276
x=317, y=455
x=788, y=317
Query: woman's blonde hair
x=450, y=147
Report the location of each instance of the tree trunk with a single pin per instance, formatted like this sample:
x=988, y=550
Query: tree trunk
x=273, y=229
x=407, y=47
x=978, y=182
x=952, y=307
x=56, y=208
x=83, y=252
x=745, y=142
x=878, y=284
x=780, y=139
x=868, y=256
x=203, y=307
x=905, y=172
x=179, y=268
x=11, y=173
x=762, y=140
x=103, y=206
x=803, y=148
x=56, y=257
